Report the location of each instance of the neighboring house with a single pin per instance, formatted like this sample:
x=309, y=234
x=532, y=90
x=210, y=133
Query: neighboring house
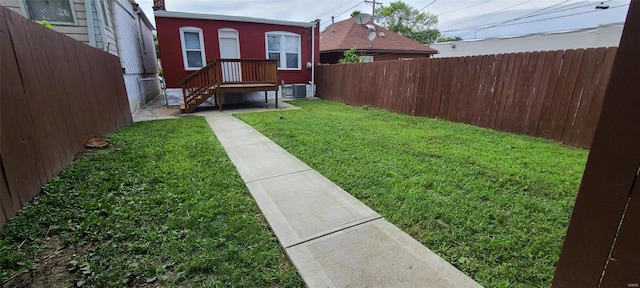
x=189, y=41
x=119, y=27
x=602, y=36
x=386, y=45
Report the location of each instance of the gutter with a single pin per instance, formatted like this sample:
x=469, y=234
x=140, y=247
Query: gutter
x=313, y=57
x=184, y=15
x=90, y=28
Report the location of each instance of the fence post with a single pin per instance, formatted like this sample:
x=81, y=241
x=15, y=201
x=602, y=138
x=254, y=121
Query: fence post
x=608, y=181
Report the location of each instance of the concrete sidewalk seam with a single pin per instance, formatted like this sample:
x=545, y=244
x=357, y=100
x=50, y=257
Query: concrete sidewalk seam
x=331, y=237
x=334, y=232
x=276, y=176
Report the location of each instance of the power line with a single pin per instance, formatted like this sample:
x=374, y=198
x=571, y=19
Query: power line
x=456, y=10
x=343, y=4
x=485, y=15
x=345, y=11
x=425, y=7
x=526, y=16
x=373, y=3
x=539, y=20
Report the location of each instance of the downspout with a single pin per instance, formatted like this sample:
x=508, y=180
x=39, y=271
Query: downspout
x=90, y=31
x=313, y=58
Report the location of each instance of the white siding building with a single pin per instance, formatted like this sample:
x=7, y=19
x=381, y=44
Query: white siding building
x=602, y=36
x=119, y=27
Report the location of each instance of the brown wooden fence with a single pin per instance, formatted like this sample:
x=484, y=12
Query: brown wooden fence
x=601, y=246
x=56, y=93
x=556, y=95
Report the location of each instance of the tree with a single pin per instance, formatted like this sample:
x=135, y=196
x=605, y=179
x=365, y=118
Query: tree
x=445, y=38
x=409, y=22
x=355, y=13
x=350, y=56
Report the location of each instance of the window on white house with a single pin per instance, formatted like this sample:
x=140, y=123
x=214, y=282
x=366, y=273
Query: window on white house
x=105, y=14
x=53, y=11
x=192, y=48
x=284, y=47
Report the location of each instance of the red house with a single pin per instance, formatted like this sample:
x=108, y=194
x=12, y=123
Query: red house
x=188, y=41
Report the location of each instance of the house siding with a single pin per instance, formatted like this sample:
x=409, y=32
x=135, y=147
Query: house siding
x=78, y=32
x=251, y=37
x=137, y=55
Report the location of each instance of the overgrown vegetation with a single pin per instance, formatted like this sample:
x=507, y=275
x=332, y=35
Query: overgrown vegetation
x=495, y=205
x=350, y=56
x=163, y=206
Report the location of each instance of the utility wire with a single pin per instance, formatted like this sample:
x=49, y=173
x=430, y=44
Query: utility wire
x=456, y=10
x=425, y=7
x=539, y=20
x=546, y=10
x=342, y=5
x=485, y=15
x=345, y=11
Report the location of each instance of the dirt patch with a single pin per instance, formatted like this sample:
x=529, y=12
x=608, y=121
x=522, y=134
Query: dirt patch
x=51, y=270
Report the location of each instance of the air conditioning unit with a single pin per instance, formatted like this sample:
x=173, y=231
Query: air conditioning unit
x=287, y=90
x=300, y=91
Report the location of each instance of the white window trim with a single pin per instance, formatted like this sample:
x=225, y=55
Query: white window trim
x=106, y=23
x=184, y=50
x=25, y=12
x=229, y=30
x=283, y=57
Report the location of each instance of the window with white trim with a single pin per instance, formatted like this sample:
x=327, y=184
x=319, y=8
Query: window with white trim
x=192, y=48
x=105, y=15
x=284, y=47
x=52, y=11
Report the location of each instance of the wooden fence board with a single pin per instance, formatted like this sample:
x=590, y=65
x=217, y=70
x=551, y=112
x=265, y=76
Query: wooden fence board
x=555, y=94
x=545, y=123
x=534, y=99
x=567, y=105
x=601, y=86
x=31, y=86
x=502, y=62
x=55, y=94
x=624, y=267
x=610, y=182
x=577, y=96
x=578, y=133
x=7, y=204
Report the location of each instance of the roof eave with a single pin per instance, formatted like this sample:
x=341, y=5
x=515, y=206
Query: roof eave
x=381, y=51
x=170, y=14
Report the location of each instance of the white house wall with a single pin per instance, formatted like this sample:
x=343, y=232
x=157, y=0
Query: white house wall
x=603, y=36
x=137, y=53
x=126, y=24
x=79, y=32
x=148, y=49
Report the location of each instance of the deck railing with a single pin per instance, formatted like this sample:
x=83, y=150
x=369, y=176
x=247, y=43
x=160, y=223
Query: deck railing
x=197, y=84
x=247, y=71
x=202, y=84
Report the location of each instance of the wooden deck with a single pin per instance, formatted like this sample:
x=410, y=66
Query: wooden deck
x=229, y=76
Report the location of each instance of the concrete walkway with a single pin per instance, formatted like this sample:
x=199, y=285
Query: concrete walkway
x=333, y=239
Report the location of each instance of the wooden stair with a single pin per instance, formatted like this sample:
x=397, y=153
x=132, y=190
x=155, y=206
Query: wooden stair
x=243, y=75
x=198, y=87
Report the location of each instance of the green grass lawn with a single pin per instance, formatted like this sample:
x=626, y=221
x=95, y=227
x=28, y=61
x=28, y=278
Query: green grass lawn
x=493, y=204
x=163, y=206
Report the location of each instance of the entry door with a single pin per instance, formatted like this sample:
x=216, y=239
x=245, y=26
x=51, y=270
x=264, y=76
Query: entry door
x=230, y=49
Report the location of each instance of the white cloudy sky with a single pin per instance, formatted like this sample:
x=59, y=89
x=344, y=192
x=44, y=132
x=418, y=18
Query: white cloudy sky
x=465, y=18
